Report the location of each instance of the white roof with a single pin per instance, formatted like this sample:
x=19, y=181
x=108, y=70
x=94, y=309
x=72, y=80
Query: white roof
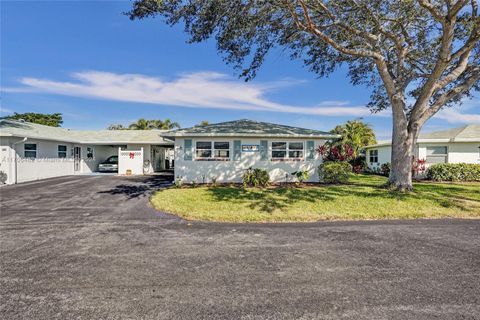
x=468, y=133
x=11, y=128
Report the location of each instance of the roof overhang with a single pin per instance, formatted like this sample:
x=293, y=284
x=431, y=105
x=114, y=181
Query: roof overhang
x=250, y=135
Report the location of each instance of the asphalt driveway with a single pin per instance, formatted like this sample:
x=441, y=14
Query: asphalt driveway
x=90, y=247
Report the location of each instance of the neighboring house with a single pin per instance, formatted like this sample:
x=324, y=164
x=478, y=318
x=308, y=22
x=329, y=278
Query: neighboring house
x=220, y=151
x=459, y=145
x=31, y=151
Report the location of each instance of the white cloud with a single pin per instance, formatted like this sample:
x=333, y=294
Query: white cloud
x=454, y=116
x=5, y=110
x=193, y=90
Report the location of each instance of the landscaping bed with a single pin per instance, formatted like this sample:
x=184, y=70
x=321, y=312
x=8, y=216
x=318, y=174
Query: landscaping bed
x=362, y=198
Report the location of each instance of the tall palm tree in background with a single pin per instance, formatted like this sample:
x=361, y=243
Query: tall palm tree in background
x=356, y=134
x=141, y=124
x=167, y=124
x=144, y=124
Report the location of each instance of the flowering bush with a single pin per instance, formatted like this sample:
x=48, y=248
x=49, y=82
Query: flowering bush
x=342, y=152
x=418, y=166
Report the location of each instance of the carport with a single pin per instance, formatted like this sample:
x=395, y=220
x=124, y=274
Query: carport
x=32, y=152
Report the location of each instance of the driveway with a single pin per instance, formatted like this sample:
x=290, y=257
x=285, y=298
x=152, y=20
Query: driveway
x=90, y=247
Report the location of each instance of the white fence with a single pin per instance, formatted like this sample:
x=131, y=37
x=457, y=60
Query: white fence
x=130, y=162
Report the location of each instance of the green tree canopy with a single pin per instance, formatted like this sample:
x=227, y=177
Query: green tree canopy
x=203, y=123
x=356, y=134
x=47, y=119
x=417, y=56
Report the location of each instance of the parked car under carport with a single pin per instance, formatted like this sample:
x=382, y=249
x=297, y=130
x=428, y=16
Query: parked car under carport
x=109, y=165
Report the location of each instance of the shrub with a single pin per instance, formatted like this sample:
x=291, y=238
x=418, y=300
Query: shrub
x=334, y=172
x=3, y=177
x=454, y=172
x=336, y=152
x=301, y=175
x=178, y=182
x=256, y=177
x=385, y=169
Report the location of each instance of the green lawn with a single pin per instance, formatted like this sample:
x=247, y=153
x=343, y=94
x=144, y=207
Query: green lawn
x=363, y=198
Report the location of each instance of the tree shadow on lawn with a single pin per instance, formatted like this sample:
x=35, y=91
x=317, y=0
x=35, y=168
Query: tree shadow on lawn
x=271, y=199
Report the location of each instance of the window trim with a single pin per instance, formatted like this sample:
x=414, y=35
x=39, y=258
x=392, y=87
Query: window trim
x=213, y=150
x=373, y=156
x=443, y=155
x=86, y=152
x=62, y=152
x=287, y=150
x=25, y=150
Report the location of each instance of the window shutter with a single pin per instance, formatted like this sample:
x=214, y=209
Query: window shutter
x=263, y=150
x=237, y=150
x=310, y=150
x=187, y=149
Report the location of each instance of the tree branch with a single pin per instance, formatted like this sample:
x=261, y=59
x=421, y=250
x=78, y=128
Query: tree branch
x=313, y=29
x=437, y=14
x=450, y=95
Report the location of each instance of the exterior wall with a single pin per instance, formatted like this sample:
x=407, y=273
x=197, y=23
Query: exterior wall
x=47, y=164
x=232, y=170
x=7, y=158
x=384, y=156
x=458, y=152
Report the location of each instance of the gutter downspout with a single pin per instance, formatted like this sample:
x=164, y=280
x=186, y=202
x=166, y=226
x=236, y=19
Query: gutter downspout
x=15, y=160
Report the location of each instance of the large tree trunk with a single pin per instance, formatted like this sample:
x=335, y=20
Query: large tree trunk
x=402, y=156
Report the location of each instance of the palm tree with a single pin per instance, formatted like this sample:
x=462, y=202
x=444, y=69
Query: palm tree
x=144, y=124
x=169, y=125
x=356, y=134
x=141, y=124
x=116, y=126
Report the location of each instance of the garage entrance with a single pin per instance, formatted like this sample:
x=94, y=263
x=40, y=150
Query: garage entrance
x=162, y=158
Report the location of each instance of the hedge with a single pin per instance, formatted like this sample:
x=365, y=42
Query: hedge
x=454, y=172
x=334, y=172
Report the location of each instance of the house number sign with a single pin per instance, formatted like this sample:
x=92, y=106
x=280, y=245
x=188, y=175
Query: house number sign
x=250, y=147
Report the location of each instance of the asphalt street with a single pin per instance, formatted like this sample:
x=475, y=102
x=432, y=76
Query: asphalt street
x=91, y=247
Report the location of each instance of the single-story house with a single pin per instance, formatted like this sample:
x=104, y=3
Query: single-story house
x=458, y=145
x=220, y=152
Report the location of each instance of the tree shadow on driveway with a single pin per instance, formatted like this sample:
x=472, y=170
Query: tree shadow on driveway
x=137, y=187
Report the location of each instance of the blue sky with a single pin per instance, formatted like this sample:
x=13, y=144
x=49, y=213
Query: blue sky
x=89, y=62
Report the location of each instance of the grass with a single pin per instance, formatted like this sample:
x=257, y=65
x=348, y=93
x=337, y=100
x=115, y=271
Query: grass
x=362, y=198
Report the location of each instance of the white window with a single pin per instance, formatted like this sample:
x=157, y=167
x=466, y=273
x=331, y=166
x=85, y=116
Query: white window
x=90, y=154
x=373, y=156
x=287, y=150
x=279, y=150
x=437, y=154
x=62, y=151
x=212, y=150
x=30, y=150
x=221, y=150
x=295, y=150
x=203, y=149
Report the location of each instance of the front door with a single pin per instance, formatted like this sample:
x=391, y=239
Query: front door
x=77, y=156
